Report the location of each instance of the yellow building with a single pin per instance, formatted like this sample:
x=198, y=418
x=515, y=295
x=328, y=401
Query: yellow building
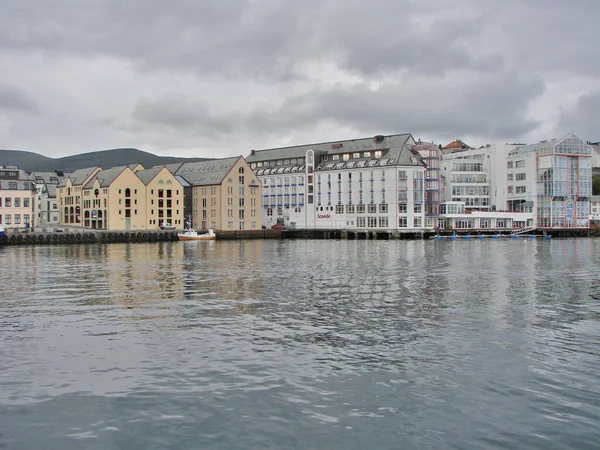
x=69, y=195
x=164, y=198
x=226, y=194
x=115, y=199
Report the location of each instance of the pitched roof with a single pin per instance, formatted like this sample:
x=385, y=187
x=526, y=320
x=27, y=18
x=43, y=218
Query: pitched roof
x=47, y=177
x=78, y=177
x=385, y=143
x=148, y=175
x=456, y=144
x=106, y=177
x=206, y=173
x=51, y=188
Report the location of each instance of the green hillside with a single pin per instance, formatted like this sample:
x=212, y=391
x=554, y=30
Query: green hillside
x=106, y=159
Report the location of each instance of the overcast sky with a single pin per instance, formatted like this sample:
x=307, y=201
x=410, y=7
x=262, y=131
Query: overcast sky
x=218, y=78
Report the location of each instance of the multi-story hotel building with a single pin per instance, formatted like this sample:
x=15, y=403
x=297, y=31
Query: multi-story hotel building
x=369, y=183
x=554, y=179
x=17, y=199
x=226, y=194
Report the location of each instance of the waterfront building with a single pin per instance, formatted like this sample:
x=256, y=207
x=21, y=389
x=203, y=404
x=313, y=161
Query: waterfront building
x=477, y=177
x=132, y=198
x=434, y=183
x=367, y=183
x=114, y=199
x=68, y=195
x=455, y=216
x=47, y=210
x=164, y=197
x=17, y=199
x=554, y=180
x=225, y=193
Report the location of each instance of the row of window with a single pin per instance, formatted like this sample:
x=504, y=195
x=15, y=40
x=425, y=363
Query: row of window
x=517, y=177
x=10, y=219
x=15, y=202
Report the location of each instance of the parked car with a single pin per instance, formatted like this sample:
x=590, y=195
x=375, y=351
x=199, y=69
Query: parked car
x=167, y=226
x=278, y=226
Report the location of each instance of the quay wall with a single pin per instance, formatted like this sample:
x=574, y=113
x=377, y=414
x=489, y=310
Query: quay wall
x=107, y=237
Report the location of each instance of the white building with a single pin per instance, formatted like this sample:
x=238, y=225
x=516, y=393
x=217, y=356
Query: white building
x=369, y=183
x=47, y=210
x=554, y=180
x=477, y=177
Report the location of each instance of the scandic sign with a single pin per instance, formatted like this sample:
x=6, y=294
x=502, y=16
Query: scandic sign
x=323, y=216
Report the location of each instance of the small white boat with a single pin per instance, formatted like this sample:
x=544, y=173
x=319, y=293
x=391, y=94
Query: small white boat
x=193, y=235
x=189, y=234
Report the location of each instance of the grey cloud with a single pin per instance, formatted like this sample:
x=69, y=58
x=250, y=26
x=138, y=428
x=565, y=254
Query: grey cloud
x=268, y=39
x=493, y=106
x=16, y=99
x=582, y=119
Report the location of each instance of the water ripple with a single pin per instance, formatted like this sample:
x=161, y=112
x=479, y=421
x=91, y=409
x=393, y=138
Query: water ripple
x=301, y=344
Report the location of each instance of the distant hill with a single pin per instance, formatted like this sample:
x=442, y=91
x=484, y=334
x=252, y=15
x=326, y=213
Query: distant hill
x=32, y=162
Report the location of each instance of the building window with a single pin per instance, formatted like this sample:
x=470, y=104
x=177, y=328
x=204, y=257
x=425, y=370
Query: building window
x=383, y=209
x=269, y=211
x=383, y=222
x=402, y=222
x=372, y=208
x=17, y=219
x=402, y=207
x=7, y=202
x=339, y=209
x=509, y=177
x=520, y=177
x=418, y=208
x=509, y=165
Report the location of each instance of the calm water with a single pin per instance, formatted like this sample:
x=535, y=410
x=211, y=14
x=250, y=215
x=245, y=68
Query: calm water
x=301, y=345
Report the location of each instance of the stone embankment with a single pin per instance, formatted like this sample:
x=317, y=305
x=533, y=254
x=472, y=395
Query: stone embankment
x=85, y=237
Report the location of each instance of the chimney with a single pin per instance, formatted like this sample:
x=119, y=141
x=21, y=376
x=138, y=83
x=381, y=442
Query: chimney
x=252, y=152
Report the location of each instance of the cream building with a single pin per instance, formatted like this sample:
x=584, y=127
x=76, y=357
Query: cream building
x=226, y=194
x=17, y=199
x=164, y=198
x=69, y=195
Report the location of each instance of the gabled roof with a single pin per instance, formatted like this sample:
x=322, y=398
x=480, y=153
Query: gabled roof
x=106, y=177
x=173, y=168
x=148, y=175
x=182, y=181
x=78, y=177
x=385, y=143
x=456, y=144
x=206, y=173
x=131, y=166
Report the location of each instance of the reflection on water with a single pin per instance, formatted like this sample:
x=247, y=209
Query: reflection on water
x=301, y=344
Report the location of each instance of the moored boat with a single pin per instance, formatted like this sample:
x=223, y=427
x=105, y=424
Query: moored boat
x=193, y=235
x=189, y=234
